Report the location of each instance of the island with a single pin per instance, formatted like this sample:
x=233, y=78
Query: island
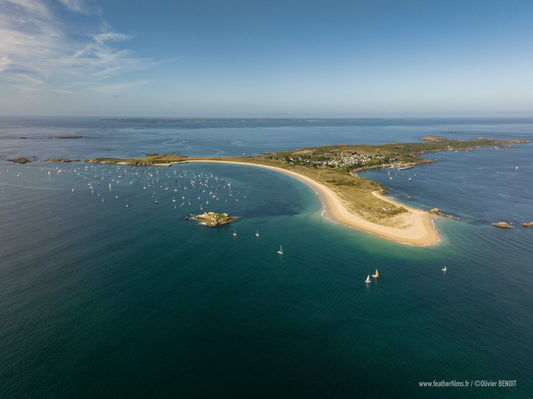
x=213, y=219
x=19, y=160
x=166, y=159
x=503, y=225
x=332, y=172
x=61, y=160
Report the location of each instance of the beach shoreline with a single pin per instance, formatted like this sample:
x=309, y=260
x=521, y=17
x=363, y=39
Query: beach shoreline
x=415, y=227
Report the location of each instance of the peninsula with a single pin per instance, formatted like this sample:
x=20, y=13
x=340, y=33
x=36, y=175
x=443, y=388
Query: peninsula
x=331, y=170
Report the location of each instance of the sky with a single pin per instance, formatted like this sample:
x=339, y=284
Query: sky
x=266, y=58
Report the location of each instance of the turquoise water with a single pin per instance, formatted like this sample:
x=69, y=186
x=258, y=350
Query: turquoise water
x=125, y=298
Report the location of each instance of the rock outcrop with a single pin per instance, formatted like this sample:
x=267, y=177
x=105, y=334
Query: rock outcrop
x=503, y=225
x=436, y=211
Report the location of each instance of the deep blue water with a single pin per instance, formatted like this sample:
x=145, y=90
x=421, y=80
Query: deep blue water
x=122, y=297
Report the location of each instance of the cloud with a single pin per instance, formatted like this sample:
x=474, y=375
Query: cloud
x=38, y=53
x=75, y=5
x=5, y=62
x=36, y=7
x=111, y=36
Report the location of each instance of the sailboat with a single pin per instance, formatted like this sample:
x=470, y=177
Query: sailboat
x=257, y=233
x=376, y=275
x=280, y=251
x=367, y=279
x=234, y=233
x=444, y=269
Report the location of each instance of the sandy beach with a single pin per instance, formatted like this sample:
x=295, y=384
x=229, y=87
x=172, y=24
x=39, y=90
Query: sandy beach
x=414, y=227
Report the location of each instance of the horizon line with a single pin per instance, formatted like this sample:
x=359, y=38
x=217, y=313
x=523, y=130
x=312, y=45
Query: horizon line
x=265, y=118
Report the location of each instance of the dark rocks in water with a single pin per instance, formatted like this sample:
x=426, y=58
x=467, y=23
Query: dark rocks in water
x=65, y=137
x=436, y=211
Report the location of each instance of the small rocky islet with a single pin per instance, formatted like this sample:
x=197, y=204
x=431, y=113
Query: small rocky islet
x=213, y=219
x=21, y=160
x=437, y=211
x=503, y=225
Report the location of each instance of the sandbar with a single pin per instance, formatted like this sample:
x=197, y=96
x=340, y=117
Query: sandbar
x=415, y=227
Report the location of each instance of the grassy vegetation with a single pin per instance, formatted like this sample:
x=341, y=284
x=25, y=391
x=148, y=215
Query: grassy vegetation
x=143, y=161
x=60, y=160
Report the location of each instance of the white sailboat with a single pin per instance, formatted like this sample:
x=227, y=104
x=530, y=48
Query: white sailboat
x=367, y=279
x=257, y=233
x=280, y=250
x=444, y=269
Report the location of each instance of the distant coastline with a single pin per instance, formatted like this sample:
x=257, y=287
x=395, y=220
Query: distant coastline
x=218, y=120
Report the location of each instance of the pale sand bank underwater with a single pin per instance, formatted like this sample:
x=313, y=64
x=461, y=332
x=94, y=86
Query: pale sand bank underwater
x=415, y=226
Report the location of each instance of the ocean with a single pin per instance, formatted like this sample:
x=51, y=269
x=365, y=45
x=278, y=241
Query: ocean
x=107, y=291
